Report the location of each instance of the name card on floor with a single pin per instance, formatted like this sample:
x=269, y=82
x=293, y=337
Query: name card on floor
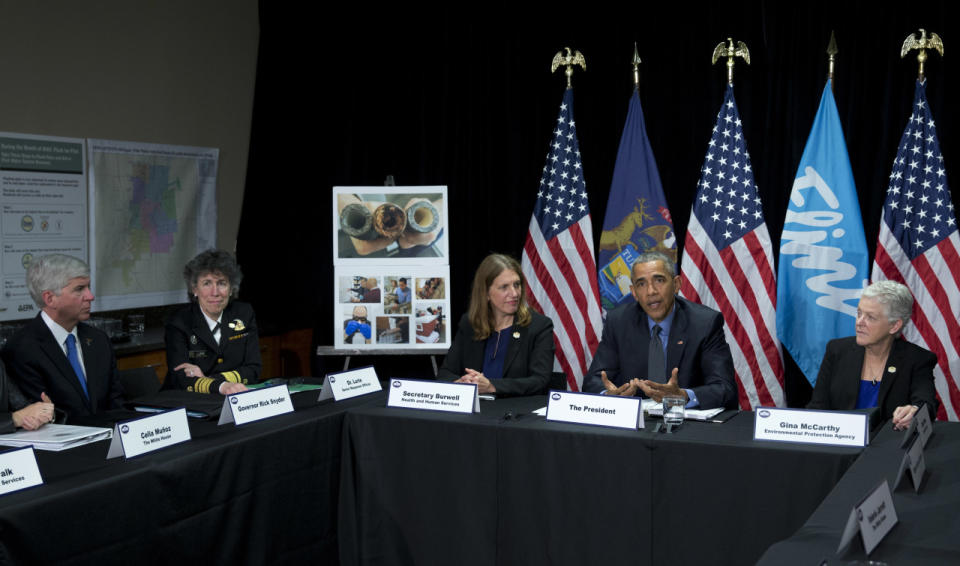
x=810, y=427
x=139, y=436
x=921, y=424
x=18, y=470
x=256, y=404
x=914, y=461
x=601, y=410
x=872, y=518
x=347, y=384
x=434, y=396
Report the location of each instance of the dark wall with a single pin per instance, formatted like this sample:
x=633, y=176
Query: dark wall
x=438, y=97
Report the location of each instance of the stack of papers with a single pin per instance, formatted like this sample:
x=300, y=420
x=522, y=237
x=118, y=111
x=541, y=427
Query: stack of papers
x=56, y=437
x=655, y=409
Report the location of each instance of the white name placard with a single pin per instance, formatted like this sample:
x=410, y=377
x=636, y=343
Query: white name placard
x=347, y=384
x=920, y=423
x=256, y=404
x=18, y=470
x=810, y=427
x=601, y=410
x=434, y=396
x=139, y=436
x=872, y=518
x=914, y=461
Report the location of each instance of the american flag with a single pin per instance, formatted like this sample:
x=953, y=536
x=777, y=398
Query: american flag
x=918, y=246
x=728, y=261
x=558, y=260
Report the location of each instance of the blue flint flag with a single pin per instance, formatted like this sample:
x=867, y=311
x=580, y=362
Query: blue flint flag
x=637, y=218
x=823, y=252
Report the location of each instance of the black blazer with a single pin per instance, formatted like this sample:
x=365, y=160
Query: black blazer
x=907, y=381
x=696, y=346
x=38, y=364
x=236, y=358
x=529, y=361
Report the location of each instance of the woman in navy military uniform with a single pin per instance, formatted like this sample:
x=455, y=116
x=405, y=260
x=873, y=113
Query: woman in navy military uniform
x=212, y=345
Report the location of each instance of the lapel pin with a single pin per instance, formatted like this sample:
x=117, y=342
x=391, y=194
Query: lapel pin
x=892, y=369
x=193, y=339
x=679, y=342
x=516, y=334
x=237, y=325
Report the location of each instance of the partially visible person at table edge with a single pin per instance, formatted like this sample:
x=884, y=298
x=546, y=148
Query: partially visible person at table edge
x=212, y=345
x=16, y=412
x=57, y=354
x=875, y=368
x=502, y=345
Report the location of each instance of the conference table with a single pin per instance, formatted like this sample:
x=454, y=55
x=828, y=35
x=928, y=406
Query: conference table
x=261, y=493
x=508, y=487
x=928, y=531
x=357, y=482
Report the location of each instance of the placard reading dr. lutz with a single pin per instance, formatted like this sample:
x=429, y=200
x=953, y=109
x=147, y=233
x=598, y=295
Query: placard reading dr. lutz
x=18, y=470
x=810, y=427
x=256, y=404
x=347, y=384
x=602, y=410
x=434, y=396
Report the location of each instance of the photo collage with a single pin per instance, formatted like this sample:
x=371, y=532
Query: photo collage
x=391, y=268
x=395, y=309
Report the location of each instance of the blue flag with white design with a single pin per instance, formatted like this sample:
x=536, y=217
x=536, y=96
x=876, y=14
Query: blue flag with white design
x=823, y=251
x=637, y=218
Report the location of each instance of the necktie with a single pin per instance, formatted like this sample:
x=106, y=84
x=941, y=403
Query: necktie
x=656, y=365
x=75, y=362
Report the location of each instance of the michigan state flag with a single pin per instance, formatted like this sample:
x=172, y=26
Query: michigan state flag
x=637, y=218
x=823, y=252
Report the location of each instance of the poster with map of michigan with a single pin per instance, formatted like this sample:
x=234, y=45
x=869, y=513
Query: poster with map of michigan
x=152, y=208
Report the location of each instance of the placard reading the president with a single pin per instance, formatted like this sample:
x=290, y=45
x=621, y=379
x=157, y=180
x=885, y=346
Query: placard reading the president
x=810, y=427
x=434, y=396
x=602, y=410
x=18, y=470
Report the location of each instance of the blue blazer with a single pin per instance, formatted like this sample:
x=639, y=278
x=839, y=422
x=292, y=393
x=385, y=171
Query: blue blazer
x=696, y=346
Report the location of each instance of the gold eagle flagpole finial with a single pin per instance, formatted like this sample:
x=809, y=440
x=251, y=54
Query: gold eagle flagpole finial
x=571, y=59
x=729, y=51
x=831, y=57
x=636, y=67
x=923, y=43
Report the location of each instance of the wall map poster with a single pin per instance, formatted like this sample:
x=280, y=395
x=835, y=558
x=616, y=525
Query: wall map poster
x=153, y=207
x=392, y=275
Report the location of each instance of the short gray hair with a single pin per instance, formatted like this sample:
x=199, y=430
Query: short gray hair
x=895, y=297
x=647, y=257
x=213, y=261
x=52, y=273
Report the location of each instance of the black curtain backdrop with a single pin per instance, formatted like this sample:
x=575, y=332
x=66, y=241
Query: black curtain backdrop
x=462, y=96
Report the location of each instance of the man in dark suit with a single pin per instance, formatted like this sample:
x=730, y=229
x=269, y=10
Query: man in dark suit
x=689, y=346
x=56, y=353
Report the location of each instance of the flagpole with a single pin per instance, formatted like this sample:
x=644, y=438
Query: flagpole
x=831, y=58
x=636, y=67
x=922, y=43
x=730, y=52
